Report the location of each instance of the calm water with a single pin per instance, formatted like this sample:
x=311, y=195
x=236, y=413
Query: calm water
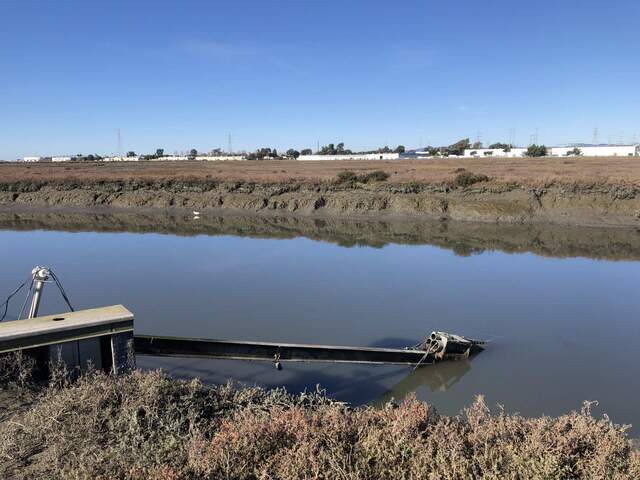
x=564, y=328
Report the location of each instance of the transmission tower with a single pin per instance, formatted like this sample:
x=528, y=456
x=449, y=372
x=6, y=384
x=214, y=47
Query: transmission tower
x=230, y=145
x=594, y=140
x=119, y=144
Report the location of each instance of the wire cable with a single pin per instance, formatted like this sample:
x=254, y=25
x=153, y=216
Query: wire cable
x=25, y=300
x=61, y=288
x=5, y=304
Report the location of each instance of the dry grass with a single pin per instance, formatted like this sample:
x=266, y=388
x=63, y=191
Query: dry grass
x=525, y=171
x=147, y=425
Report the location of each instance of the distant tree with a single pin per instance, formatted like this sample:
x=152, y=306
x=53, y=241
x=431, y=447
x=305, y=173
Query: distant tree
x=476, y=145
x=576, y=151
x=193, y=152
x=293, y=153
x=159, y=152
x=501, y=146
x=262, y=153
x=536, y=151
x=399, y=149
x=474, y=153
x=327, y=149
x=432, y=151
x=459, y=147
x=131, y=154
x=306, y=151
x=488, y=153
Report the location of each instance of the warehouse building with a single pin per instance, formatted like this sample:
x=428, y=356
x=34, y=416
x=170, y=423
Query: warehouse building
x=598, y=150
x=220, y=158
x=353, y=156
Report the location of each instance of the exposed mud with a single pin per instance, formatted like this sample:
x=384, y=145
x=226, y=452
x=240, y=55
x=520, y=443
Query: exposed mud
x=482, y=202
x=464, y=238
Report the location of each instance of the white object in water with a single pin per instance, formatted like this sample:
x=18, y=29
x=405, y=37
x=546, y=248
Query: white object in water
x=196, y=213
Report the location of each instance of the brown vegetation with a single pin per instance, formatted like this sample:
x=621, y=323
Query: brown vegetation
x=522, y=171
x=585, y=191
x=148, y=425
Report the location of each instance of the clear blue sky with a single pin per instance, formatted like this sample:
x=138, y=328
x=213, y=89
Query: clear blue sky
x=183, y=74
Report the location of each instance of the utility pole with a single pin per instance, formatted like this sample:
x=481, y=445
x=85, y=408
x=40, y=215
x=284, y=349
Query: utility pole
x=119, y=144
x=594, y=140
x=230, y=145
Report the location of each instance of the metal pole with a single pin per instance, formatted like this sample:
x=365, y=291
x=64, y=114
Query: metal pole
x=40, y=276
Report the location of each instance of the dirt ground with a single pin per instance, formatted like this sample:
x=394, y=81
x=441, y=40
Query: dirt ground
x=523, y=171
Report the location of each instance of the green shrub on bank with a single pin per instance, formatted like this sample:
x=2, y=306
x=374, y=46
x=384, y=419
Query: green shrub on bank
x=148, y=425
x=466, y=179
x=350, y=177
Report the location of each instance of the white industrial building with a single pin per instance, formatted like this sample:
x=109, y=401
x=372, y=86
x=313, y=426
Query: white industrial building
x=171, y=158
x=118, y=158
x=354, y=156
x=585, y=150
x=61, y=159
x=220, y=158
x=494, y=152
x=32, y=159
x=599, y=150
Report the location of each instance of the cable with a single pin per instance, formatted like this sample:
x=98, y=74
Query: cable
x=6, y=302
x=26, y=299
x=61, y=288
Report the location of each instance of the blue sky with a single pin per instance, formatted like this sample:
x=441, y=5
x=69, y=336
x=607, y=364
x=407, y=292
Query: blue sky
x=177, y=75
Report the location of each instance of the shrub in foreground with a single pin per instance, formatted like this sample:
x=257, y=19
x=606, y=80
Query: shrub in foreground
x=147, y=425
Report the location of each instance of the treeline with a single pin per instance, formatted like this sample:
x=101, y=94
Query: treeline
x=266, y=153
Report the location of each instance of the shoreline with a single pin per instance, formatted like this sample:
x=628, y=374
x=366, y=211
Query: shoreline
x=585, y=191
x=500, y=204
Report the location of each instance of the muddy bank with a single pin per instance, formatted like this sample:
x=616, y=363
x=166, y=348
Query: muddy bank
x=464, y=238
x=484, y=201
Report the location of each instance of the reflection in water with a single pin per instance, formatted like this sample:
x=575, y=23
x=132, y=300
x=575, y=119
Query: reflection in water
x=463, y=238
x=291, y=279
x=439, y=377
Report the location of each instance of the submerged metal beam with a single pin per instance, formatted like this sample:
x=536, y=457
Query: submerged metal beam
x=240, y=350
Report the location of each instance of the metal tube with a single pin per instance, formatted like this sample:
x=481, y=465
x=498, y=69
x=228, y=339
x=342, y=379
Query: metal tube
x=40, y=276
x=35, y=301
